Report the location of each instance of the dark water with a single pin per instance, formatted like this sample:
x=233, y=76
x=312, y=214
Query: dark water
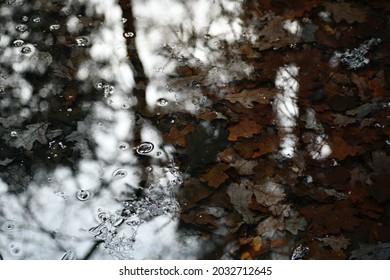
x=194, y=130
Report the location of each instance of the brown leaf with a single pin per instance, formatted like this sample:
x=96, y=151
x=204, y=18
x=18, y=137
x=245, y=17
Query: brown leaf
x=265, y=143
x=192, y=192
x=175, y=137
x=268, y=194
x=241, y=197
x=245, y=128
x=247, y=97
x=273, y=34
x=331, y=218
x=295, y=222
x=337, y=243
x=341, y=149
x=242, y=166
x=269, y=226
x=216, y=176
x=347, y=12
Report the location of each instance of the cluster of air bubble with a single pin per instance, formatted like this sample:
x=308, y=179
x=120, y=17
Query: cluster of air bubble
x=356, y=58
x=139, y=207
x=107, y=89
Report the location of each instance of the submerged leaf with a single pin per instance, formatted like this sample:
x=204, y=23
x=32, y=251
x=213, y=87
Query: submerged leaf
x=268, y=194
x=337, y=243
x=241, y=197
x=245, y=129
x=216, y=176
x=247, y=97
x=371, y=252
x=26, y=138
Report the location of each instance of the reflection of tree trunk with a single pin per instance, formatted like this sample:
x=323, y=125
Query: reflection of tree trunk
x=141, y=80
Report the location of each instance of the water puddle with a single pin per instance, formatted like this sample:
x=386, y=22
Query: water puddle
x=202, y=130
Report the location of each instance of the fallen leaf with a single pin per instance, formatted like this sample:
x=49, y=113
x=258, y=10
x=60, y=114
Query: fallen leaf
x=265, y=143
x=379, y=251
x=245, y=129
x=269, y=226
x=175, y=137
x=247, y=97
x=241, y=197
x=268, y=194
x=337, y=243
x=346, y=11
x=341, y=149
x=294, y=222
x=273, y=34
x=242, y=166
x=216, y=176
x=26, y=138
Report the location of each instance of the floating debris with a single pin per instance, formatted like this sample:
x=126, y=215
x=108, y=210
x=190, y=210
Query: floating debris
x=81, y=41
x=54, y=27
x=300, y=252
x=356, y=58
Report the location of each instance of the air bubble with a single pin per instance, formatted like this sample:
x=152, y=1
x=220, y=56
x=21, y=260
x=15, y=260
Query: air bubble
x=128, y=34
x=119, y=173
x=18, y=43
x=69, y=255
x=81, y=41
x=162, y=102
x=8, y=225
x=83, y=195
x=26, y=50
x=21, y=28
x=123, y=146
x=15, y=250
x=36, y=19
x=126, y=106
x=149, y=169
x=144, y=148
x=54, y=27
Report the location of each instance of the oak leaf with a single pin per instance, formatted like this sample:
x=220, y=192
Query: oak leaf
x=247, y=97
x=347, y=12
x=241, y=197
x=337, y=243
x=245, y=129
x=216, y=176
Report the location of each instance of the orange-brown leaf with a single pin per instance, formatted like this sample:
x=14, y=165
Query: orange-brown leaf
x=245, y=129
x=216, y=176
